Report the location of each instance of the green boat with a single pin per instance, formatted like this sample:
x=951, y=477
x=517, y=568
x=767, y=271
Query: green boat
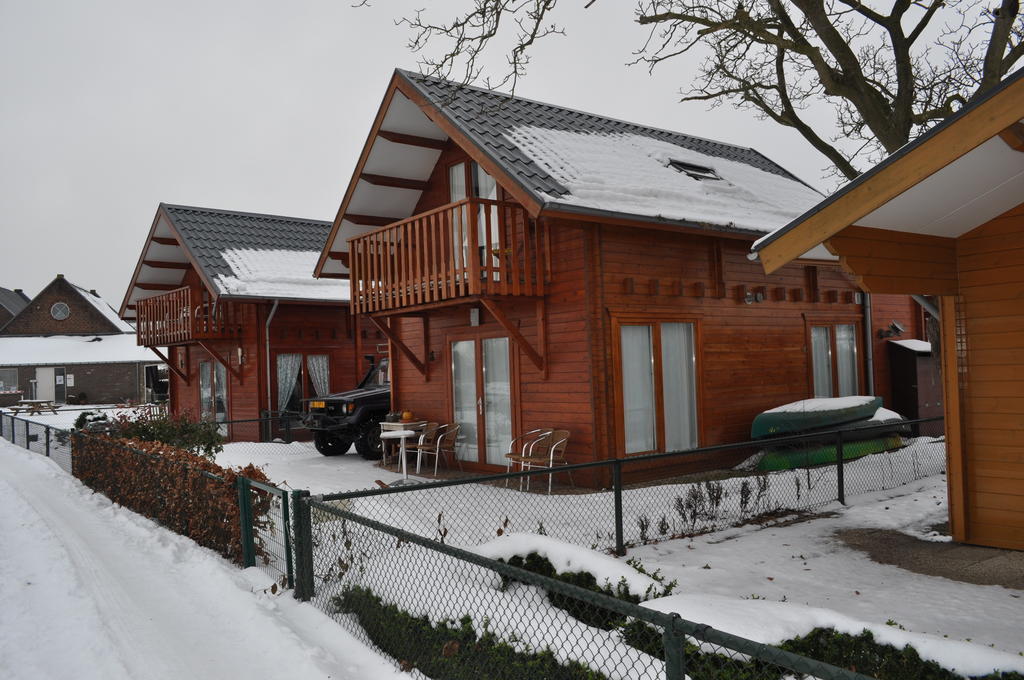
x=789, y=458
x=813, y=414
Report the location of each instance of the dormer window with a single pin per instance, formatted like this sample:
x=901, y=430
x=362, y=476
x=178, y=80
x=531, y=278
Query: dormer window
x=698, y=172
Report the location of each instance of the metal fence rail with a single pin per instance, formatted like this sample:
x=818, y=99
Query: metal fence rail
x=446, y=612
x=471, y=511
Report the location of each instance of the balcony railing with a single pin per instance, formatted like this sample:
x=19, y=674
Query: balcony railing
x=184, y=315
x=470, y=247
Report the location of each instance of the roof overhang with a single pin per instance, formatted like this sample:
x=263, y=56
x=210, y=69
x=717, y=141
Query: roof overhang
x=961, y=174
x=162, y=266
x=403, y=147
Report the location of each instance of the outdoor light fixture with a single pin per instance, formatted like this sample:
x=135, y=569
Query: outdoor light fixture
x=241, y=356
x=895, y=328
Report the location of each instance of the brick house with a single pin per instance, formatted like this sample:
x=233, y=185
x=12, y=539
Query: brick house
x=535, y=266
x=67, y=344
x=248, y=329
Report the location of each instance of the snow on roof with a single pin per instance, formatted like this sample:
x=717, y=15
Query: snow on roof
x=106, y=310
x=631, y=173
x=35, y=350
x=914, y=345
x=277, y=274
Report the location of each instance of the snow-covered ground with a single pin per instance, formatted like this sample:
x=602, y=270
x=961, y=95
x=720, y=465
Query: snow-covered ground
x=91, y=590
x=65, y=416
x=772, y=583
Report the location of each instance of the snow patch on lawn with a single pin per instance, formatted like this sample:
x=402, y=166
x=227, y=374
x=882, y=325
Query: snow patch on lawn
x=568, y=558
x=774, y=622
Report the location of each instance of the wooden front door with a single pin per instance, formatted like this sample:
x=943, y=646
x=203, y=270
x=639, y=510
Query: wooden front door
x=482, y=398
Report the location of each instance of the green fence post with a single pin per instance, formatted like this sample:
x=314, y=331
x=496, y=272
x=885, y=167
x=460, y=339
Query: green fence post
x=46, y=429
x=245, y=520
x=675, y=659
x=26, y=437
x=288, y=545
x=620, y=545
x=303, y=534
x=840, y=469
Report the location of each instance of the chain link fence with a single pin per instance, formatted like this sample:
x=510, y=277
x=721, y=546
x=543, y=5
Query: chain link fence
x=443, y=612
x=470, y=511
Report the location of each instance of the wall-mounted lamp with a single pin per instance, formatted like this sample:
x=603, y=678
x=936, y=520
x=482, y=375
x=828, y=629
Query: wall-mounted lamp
x=894, y=329
x=241, y=356
x=432, y=356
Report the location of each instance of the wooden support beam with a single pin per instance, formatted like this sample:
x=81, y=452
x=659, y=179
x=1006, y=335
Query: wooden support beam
x=174, y=369
x=492, y=307
x=412, y=140
x=160, y=264
x=385, y=328
x=221, y=360
x=1014, y=136
x=164, y=240
x=395, y=182
x=333, y=275
x=340, y=257
x=370, y=220
x=157, y=286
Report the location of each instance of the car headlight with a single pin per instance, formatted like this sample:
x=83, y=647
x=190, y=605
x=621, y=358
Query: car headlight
x=349, y=408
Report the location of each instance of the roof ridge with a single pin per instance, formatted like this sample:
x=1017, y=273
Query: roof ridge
x=411, y=75
x=240, y=213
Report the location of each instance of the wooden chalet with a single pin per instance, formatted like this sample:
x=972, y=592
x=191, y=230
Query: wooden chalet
x=535, y=266
x=248, y=330
x=944, y=216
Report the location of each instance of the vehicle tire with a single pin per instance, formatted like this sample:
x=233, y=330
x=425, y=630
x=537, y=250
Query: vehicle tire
x=330, y=444
x=369, y=445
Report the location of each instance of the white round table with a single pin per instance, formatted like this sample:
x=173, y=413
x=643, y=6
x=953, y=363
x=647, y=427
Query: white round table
x=402, y=435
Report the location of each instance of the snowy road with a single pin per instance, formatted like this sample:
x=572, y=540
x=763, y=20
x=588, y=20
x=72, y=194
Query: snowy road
x=90, y=590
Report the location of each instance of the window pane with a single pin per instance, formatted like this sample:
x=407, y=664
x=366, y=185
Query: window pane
x=289, y=393
x=638, y=388
x=846, y=359
x=821, y=360
x=464, y=397
x=8, y=379
x=457, y=182
x=221, y=389
x=497, y=399
x=678, y=363
x=206, y=390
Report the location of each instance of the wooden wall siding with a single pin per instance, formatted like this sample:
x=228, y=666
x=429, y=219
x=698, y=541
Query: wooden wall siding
x=991, y=269
x=563, y=400
x=884, y=261
x=884, y=310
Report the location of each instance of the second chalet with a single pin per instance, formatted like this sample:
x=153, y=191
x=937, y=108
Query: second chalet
x=535, y=266
x=248, y=330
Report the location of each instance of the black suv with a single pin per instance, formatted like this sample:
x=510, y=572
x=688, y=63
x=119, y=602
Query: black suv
x=341, y=419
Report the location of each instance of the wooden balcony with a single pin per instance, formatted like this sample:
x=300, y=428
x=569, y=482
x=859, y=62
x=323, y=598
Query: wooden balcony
x=184, y=315
x=474, y=247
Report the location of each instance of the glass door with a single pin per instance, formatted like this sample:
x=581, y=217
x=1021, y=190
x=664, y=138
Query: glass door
x=482, y=399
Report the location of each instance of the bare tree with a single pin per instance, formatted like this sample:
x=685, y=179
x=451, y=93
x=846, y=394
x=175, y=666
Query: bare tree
x=886, y=70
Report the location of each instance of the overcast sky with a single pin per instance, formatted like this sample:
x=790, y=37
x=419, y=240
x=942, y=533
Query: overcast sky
x=109, y=107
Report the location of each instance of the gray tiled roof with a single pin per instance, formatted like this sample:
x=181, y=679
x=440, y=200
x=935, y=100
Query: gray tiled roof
x=207, y=233
x=12, y=301
x=485, y=116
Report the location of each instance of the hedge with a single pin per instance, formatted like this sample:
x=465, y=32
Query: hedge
x=183, y=491
x=450, y=651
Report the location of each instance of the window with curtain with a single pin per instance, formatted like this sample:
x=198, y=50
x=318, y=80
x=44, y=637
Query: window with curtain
x=319, y=368
x=213, y=391
x=834, y=363
x=289, y=390
x=658, y=360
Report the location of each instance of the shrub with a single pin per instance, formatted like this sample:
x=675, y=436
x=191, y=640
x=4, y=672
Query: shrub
x=184, y=492
x=590, y=614
x=199, y=437
x=860, y=653
x=448, y=650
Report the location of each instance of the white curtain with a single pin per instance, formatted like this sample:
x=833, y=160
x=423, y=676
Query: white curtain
x=846, y=359
x=497, y=399
x=206, y=390
x=821, y=360
x=638, y=388
x=319, y=366
x=457, y=191
x=678, y=362
x=464, y=396
x=288, y=366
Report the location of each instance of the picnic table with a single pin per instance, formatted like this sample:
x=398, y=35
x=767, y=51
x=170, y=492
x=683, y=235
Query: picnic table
x=34, y=407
